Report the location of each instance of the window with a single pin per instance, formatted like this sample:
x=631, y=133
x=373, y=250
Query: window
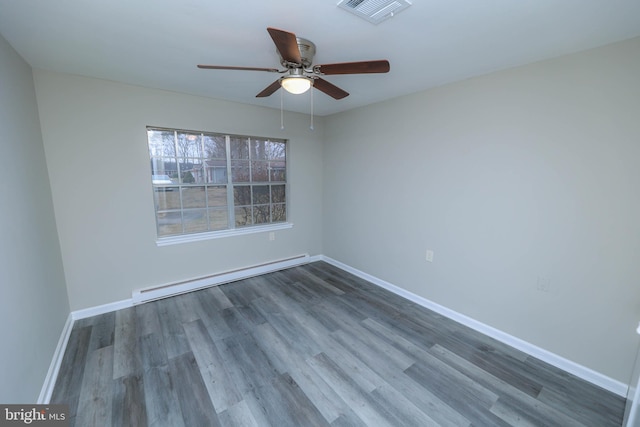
x=207, y=182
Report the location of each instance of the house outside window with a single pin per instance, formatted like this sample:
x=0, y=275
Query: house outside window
x=212, y=183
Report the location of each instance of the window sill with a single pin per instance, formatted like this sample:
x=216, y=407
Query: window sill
x=196, y=237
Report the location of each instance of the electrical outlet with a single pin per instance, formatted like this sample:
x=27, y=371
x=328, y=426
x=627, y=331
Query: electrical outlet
x=272, y=235
x=429, y=256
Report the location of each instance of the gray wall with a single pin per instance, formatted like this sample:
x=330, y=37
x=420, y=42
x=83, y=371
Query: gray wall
x=517, y=180
x=96, y=147
x=33, y=305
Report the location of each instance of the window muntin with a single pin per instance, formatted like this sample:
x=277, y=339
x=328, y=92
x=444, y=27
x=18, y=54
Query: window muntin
x=215, y=181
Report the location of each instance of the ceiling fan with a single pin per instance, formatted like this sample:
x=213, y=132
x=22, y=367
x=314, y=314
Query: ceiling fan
x=296, y=56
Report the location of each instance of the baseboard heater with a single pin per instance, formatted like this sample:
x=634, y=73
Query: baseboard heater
x=153, y=293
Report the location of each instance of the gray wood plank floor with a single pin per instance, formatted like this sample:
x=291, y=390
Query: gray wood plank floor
x=309, y=346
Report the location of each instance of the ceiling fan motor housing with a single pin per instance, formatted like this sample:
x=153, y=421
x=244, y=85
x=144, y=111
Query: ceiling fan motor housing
x=307, y=52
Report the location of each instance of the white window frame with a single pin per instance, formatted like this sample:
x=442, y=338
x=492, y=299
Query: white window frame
x=232, y=230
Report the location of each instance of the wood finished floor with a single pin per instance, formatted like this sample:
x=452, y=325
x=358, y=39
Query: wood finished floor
x=309, y=346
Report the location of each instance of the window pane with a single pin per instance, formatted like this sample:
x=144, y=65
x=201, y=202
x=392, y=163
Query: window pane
x=218, y=219
x=216, y=171
x=195, y=220
x=166, y=198
x=241, y=195
x=193, y=174
x=279, y=213
x=239, y=171
x=258, y=150
x=243, y=216
x=261, y=214
x=189, y=145
x=217, y=196
x=161, y=143
x=261, y=194
x=165, y=167
x=278, y=172
x=267, y=150
x=169, y=223
x=239, y=148
x=278, y=193
x=259, y=171
x=215, y=147
x=276, y=150
x=193, y=197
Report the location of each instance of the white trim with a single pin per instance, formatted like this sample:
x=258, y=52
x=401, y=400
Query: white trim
x=170, y=289
x=196, y=237
x=56, y=361
x=576, y=369
x=101, y=309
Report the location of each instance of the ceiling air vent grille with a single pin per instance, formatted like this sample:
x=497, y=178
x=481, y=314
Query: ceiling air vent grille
x=374, y=11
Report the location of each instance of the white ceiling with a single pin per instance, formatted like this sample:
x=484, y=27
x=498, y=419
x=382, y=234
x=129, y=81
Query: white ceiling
x=157, y=43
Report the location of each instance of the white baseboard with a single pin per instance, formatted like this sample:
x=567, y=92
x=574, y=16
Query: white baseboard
x=566, y=365
x=101, y=309
x=56, y=361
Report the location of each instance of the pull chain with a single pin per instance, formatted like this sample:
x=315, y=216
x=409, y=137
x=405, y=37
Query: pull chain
x=281, y=109
x=311, y=127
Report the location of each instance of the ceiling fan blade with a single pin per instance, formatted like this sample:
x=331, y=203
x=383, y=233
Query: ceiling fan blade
x=363, y=67
x=329, y=88
x=286, y=44
x=269, y=89
x=224, y=67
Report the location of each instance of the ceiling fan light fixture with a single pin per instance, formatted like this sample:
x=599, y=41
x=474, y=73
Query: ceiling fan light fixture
x=296, y=84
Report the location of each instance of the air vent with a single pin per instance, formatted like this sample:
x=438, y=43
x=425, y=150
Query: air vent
x=374, y=11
